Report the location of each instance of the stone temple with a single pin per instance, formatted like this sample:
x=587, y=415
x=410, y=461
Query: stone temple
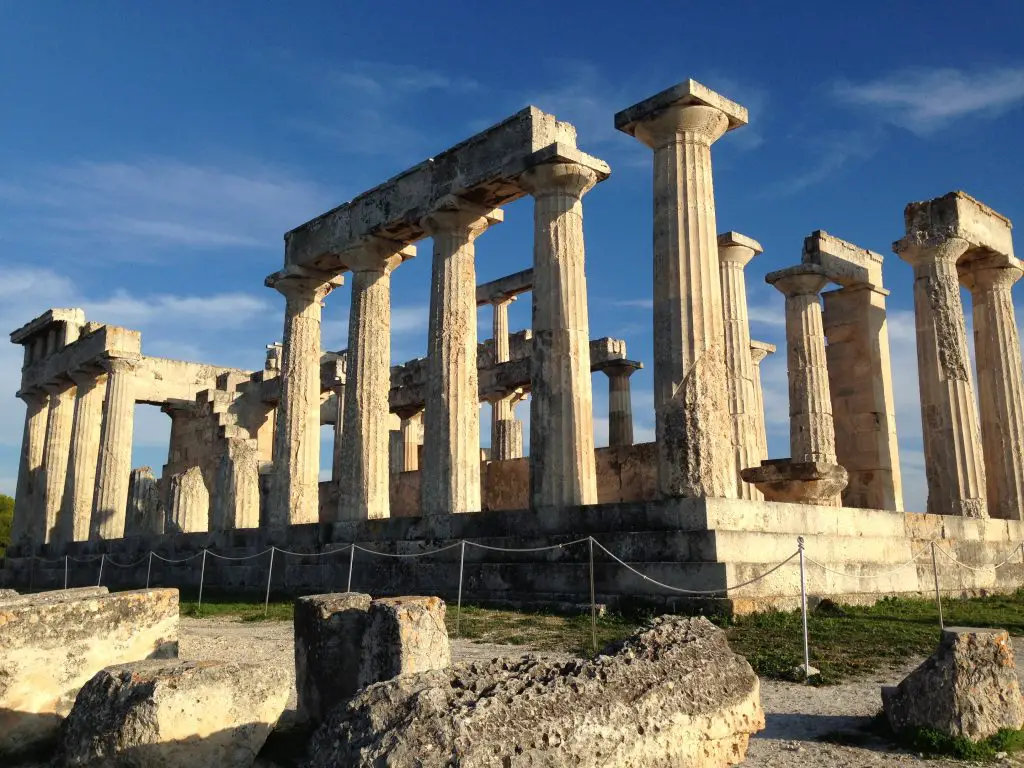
x=702, y=508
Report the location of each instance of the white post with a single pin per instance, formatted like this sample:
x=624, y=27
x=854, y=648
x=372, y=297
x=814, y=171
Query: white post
x=938, y=597
x=458, y=610
x=202, y=577
x=270, y=573
x=65, y=572
x=593, y=601
x=149, y=570
x=103, y=558
x=803, y=610
x=351, y=560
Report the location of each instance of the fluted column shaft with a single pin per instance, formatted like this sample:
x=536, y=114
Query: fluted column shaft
x=56, y=454
x=952, y=443
x=739, y=366
x=113, y=470
x=295, y=492
x=339, y=431
x=145, y=512
x=758, y=352
x=690, y=390
x=562, y=464
x=501, y=408
x=365, y=480
x=80, y=484
x=811, y=430
x=27, y=527
x=450, y=481
x=1000, y=388
x=412, y=438
x=620, y=406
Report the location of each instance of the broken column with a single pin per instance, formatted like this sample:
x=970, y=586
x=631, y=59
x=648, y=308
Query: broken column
x=27, y=527
x=562, y=465
x=759, y=350
x=145, y=512
x=114, y=468
x=810, y=475
x=936, y=240
x=690, y=383
x=734, y=253
x=450, y=482
x=506, y=429
x=80, y=484
x=365, y=480
x=1000, y=387
x=56, y=453
x=236, y=498
x=188, y=502
x=620, y=401
x=295, y=492
x=860, y=371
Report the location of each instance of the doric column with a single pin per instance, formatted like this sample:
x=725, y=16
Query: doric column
x=450, y=480
x=189, y=502
x=759, y=350
x=27, y=528
x=734, y=253
x=506, y=430
x=236, y=498
x=620, y=401
x=1000, y=387
x=690, y=389
x=339, y=431
x=811, y=431
x=113, y=470
x=562, y=464
x=952, y=444
x=80, y=485
x=364, y=486
x=145, y=512
x=56, y=454
x=295, y=492
x=411, y=437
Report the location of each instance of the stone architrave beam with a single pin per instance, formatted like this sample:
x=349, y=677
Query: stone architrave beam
x=940, y=234
x=860, y=371
x=690, y=384
x=507, y=287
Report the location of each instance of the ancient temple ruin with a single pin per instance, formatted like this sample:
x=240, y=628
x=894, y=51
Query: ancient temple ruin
x=703, y=505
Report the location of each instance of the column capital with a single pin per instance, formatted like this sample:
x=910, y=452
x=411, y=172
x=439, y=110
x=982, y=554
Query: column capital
x=119, y=365
x=408, y=412
x=300, y=283
x=58, y=386
x=620, y=368
x=378, y=254
x=920, y=248
x=991, y=278
x=801, y=280
x=687, y=109
x=734, y=248
x=759, y=350
x=455, y=215
x=573, y=179
x=86, y=377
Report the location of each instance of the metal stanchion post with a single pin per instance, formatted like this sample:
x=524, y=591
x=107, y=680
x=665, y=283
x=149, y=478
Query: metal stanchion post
x=103, y=559
x=593, y=600
x=803, y=610
x=351, y=560
x=65, y=572
x=270, y=574
x=458, y=610
x=149, y=570
x=202, y=578
x=938, y=597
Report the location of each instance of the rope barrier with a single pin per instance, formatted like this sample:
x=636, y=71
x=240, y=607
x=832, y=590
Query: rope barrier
x=529, y=549
x=409, y=554
x=994, y=566
x=177, y=562
x=237, y=559
x=897, y=569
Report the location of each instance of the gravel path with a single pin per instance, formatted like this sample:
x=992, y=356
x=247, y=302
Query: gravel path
x=797, y=716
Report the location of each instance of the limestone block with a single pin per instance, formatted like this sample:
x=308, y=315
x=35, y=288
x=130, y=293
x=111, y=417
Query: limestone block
x=674, y=694
x=967, y=687
x=145, y=510
x=189, y=502
x=174, y=714
x=798, y=482
x=51, y=644
x=329, y=631
x=6, y=594
x=404, y=635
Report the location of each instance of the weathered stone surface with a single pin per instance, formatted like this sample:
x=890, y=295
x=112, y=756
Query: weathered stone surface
x=404, y=635
x=174, y=714
x=329, y=631
x=51, y=644
x=799, y=482
x=674, y=694
x=6, y=594
x=967, y=687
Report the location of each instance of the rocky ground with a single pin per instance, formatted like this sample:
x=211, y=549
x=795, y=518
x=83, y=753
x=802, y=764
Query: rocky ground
x=804, y=723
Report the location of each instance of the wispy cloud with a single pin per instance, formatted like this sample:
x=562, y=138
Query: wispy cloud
x=925, y=100
x=635, y=303
x=155, y=204
x=830, y=154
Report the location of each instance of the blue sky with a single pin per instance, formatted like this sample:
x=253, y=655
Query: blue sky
x=152, y=156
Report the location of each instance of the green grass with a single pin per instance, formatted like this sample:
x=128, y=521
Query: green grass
x=845, y=640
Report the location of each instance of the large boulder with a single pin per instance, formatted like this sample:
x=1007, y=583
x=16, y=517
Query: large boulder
x=53, y=642
x=967, y=687
x=174, y=714
x=6, y=594
x=671, y=695
x=346, y=641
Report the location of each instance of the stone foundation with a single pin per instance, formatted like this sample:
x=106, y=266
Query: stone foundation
x=696, y=544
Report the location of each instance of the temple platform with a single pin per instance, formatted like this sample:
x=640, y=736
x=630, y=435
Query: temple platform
x=708, y=546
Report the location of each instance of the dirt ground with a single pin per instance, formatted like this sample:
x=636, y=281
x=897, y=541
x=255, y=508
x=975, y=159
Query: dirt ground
x=802, y=721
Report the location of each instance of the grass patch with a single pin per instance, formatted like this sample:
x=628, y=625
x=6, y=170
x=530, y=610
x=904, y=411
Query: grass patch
x=236, y=609
x=932, y=743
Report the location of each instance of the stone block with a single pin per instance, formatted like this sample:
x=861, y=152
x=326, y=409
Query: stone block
x=174, y=714
x=404, y=635
x=843, y=262
x=686, y=92
x=968, y=687
x=51, y=644
x=673, y=694
x=957, y=214
x=6, y=594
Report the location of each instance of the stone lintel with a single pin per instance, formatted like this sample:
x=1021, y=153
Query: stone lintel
x=107, y=341
x=333, y=370
x=959, y=215
x=46, y=321
x=845, y=263
x=731, y=238
x=684, y=93
x=475, y=169
x=507, y=287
